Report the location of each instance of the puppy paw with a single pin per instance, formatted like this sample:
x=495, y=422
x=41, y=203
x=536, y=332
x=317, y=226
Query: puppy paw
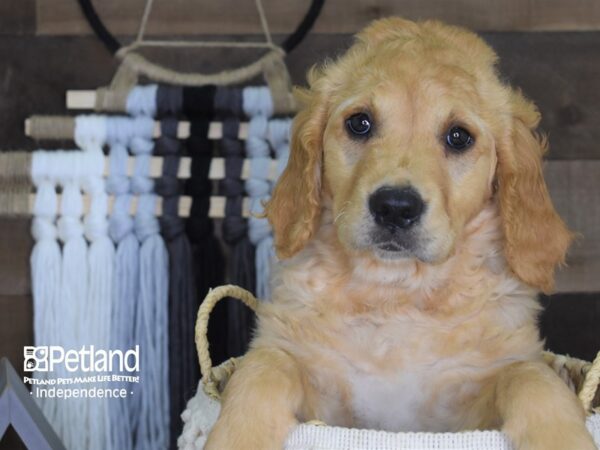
x=229, y=437
x=555, y=437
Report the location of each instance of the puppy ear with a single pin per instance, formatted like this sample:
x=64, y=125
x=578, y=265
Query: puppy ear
x=295, y=206
x=536, y=239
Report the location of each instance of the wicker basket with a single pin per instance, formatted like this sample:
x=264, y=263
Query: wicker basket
x=202, y=411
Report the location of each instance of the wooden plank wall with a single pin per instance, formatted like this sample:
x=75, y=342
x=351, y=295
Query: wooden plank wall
x=550, y=48
x=188, y=17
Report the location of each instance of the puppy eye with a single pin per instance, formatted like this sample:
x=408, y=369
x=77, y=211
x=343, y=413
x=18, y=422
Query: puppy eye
x=458, y=139
x=359, y=124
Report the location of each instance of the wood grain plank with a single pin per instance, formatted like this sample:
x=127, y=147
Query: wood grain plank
x=575, y=190
x=16, y=327
x=569, y=323
x=15, y=247
x=34, y=75
x=189, y=17
x=560, y=72
x=17, y=17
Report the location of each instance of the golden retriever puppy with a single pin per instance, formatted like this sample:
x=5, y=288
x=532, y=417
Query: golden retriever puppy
x=414, y=230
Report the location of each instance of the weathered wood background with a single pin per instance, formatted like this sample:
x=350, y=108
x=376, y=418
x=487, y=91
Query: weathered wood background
x=550, y=48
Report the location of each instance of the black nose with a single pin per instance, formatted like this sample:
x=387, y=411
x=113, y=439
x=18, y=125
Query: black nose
x=396, y=207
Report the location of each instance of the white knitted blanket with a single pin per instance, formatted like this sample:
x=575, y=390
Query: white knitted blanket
x=202, y=412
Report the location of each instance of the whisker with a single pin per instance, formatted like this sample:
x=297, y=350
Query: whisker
x=342, y=211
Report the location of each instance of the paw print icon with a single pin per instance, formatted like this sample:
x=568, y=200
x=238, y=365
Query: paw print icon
x=35, y=359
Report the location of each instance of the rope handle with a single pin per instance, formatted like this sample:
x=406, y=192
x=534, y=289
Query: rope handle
x=212, y=298
x=590, y=384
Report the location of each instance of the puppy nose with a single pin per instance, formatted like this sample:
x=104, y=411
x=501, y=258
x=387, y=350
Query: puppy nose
x=396, y=207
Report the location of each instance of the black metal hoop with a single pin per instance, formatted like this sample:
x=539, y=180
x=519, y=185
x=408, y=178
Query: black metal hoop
x=113, y=45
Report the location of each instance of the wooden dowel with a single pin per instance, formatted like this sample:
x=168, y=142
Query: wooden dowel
x=81, y=99
x=216, y=171
x=216, y=210
x=215, y=130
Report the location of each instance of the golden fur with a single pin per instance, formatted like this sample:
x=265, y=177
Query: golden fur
x=444, y=339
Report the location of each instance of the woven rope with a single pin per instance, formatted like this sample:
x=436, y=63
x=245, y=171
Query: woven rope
x=48, y=127
x=15, y=183
x=212, y=376
x=280, y=84
x=590, y=384
x=133, y=64
x=271, y=65
x=114, y=97
x=110, y=100
x=141, y=65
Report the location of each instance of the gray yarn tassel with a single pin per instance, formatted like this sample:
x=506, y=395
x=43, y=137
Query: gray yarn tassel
x=124, y=412
x=241, y=267
x=184, y=371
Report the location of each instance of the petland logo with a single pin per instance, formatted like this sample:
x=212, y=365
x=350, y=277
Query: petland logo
x=87, y=359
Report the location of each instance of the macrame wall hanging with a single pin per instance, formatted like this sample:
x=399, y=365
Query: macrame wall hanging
x=127, y=244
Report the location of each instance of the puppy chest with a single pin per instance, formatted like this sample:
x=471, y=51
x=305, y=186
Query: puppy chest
x=399, y=379
x=410, y=400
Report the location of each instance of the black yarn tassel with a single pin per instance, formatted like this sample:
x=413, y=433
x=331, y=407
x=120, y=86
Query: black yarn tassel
x=184, y=372
x=198, y=102
x=228, y=102
x=241, y=267
x=209, y=263
x=169, y=101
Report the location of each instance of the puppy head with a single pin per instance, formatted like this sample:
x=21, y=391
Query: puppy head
x=409, y=133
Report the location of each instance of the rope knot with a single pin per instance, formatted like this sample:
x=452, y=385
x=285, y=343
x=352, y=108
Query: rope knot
x=279, y=132
x=257, y=101
x=256, y=145
x=146, y=223
x=43, y=229
x=258, y=229
x=95, y=227
x=69, y=228
x=90, y=131
x=141, y=100
x=172, y=226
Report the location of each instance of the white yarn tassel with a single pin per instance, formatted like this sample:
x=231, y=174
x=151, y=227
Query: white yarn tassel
x=73, y=427
x=258, y=188
x=126, y=292
x=260, y=133
x=45, y=267
x=279, y=138
x=125, y=283
x=90, y=135
x=199, y=416
x=101, y=260
x=152, y=431
x=141, y=100
x=90, y=132
x=257, y=101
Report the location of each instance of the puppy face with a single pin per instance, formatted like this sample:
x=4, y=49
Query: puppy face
x=407, y=157
x=408, y=133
